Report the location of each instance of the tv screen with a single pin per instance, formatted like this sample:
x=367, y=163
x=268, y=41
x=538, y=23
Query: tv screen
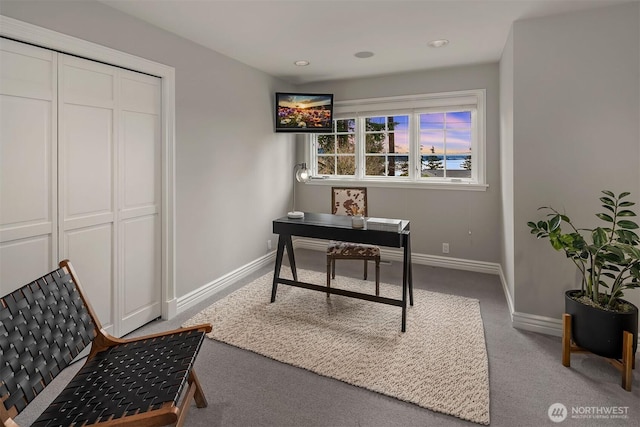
x=304, y=112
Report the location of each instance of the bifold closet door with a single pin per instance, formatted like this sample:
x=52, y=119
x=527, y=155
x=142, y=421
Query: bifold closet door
x=80, y=178
x=28, y=189
x=109, y=188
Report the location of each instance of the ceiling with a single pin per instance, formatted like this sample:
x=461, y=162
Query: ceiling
x=271, y=35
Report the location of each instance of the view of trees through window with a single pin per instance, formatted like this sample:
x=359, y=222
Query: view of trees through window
x=387, y=146
x=336, y=152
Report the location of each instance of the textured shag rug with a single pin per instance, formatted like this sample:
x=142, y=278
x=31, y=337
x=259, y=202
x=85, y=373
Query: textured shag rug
x=439, y=363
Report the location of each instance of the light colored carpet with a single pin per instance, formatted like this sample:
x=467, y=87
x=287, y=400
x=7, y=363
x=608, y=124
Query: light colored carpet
x=439, y=363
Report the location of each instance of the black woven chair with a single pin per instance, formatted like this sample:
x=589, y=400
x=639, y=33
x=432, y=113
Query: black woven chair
x=146, y=381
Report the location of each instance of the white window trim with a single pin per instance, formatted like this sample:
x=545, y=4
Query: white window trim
x=476, y=99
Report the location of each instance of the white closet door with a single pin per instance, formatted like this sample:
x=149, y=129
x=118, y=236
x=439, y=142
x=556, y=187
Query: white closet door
x=87, y=180
x=139, y=200
x=27, y=163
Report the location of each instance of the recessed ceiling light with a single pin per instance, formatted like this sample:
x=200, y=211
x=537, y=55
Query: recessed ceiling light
x=302, y=63
x=438, y=43
x=363, y=54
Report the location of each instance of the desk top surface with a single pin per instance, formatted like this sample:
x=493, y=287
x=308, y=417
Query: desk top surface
x=329, y=220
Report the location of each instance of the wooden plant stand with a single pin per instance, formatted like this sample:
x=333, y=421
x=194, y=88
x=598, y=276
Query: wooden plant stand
x=624, y=366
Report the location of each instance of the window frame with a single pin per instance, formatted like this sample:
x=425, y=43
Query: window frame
x=412, y=105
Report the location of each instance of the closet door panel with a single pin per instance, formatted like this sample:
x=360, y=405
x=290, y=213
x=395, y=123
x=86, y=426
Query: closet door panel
x=25, y=161
x=28, y=171
x=87, y=178
x=139, y=199
x=27, y=71
x=88, y=165
x=90, y=249
x=21, y=260
x=141, y=155
x=141, y=278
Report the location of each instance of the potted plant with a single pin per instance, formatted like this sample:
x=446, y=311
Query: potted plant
x=608, y=259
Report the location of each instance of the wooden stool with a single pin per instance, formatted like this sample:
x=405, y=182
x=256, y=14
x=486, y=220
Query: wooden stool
x=625, y=366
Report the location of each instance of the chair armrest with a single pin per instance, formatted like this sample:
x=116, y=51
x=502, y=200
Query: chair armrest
x=105, y=340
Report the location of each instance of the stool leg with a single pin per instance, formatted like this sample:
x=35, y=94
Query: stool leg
x=328, y=274
x=365, y=269
x=333, y=268
x=566, y=340
x=377, y=276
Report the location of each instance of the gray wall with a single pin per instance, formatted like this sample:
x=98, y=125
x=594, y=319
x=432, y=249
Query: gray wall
x=436, y=216
x=232, y=171
x=576, y=107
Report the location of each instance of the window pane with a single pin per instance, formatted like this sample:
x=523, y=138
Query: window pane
x=429, y=140
x=432, y=121
x=346, y=165
x=326, y=144
x=458, y=141
x=432, y=165
x=376, y=143
x=375, y=166
x=346, y=125
x=458, y=166
x=399, y=138
x=401, y=142
x=459, y=120
x=375, y=124
x=346, y=144
x=398, y=166
x=326, y=165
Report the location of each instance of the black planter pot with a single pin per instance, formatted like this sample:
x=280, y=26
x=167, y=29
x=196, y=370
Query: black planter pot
x=600, y=331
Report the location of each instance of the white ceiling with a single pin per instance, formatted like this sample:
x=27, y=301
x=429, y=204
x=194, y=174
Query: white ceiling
x=271, y=34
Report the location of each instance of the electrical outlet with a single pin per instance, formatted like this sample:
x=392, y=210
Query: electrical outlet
x=269, y=244
x=445, y=248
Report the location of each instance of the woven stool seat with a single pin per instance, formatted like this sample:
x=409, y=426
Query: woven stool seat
x=348, y=249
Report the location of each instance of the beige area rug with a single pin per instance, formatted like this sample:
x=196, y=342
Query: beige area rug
x=439, y=363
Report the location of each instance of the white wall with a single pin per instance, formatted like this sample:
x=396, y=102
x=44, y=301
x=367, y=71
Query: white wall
x=576, y=107
x=436, y=216
x=232, y=171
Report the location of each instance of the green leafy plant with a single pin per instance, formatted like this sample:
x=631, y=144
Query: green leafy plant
x=608, y=257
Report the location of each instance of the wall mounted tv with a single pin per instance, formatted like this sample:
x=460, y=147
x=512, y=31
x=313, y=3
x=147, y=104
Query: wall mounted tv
x=304, y=112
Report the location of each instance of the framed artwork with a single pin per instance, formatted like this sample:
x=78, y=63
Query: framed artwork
x=349, y=201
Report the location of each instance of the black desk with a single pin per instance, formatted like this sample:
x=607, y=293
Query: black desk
x=338, y=227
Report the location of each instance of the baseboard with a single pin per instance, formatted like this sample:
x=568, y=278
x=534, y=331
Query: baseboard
x=194, y=297
x=507, y=294
x=170, y=309
x=535, y=323
x=422, y=259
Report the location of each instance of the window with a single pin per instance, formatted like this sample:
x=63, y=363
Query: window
x=336, y=152
x=424, y=140
x=445, y=144
x=386, y=145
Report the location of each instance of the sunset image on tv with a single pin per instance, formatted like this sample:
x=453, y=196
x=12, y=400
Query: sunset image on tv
x=304, y=111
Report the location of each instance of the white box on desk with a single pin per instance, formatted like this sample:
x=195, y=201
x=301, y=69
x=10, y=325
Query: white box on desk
x=384, y=224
